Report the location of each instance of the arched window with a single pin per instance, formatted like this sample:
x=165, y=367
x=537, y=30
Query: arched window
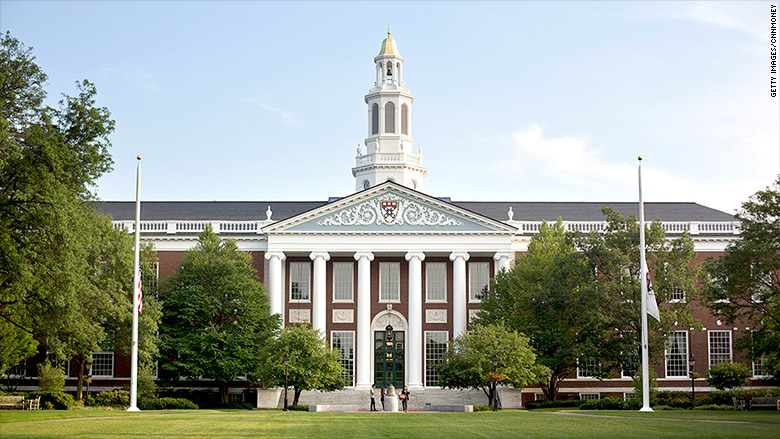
x=405, y=119
x=375, y=119
x=390, y=117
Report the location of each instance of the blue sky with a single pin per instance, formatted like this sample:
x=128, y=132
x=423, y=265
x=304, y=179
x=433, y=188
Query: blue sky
x=514, y=100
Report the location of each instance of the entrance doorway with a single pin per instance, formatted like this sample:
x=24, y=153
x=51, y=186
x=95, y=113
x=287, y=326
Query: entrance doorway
x=389, y=358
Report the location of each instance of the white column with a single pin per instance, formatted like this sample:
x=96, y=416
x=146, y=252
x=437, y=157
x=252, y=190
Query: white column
x=365, y=340
x=503, y=260
x=459, y=292
x=318, y=299
x=414, y=340
x=378, y=75
x=275, y=293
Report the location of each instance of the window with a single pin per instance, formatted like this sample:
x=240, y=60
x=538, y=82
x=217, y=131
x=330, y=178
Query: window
x=677, y=354
x=102, y=364
x=435, y=282
x=760, y=369
x=63, y=364
x=405, y=119
x=586, y=368
x=150, y=279
x=235, y=397
x=478, y=279
x=435, y=347
x=539, y=397
x=720, y=347
x=18, y=371
x=345, y=342
x=375, y=119
x=342, y=281
x=628, y=396
x=678, y=295
x=300, y=281
x=589, y=396
x=390, y=117
x=366, y=184
x=389, y=283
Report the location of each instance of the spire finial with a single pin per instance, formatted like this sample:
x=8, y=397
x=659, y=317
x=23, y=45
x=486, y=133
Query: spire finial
x=388, y=28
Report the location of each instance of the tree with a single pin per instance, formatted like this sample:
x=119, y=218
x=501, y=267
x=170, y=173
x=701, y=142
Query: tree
x=467, y=362
x=313, y=366
x=728, y=376
x=216, y=315
x=549, y=295
x=614, y=257
x=64, y=273
x=745, y=281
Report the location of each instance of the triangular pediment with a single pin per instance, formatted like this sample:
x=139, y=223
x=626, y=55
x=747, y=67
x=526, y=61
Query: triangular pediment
x=389, y=208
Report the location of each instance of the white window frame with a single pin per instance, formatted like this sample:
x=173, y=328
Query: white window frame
x=628, y=396
x=685, y=356
x=579, y=373
x=539, y=397
x=672, y=299
x=586, y=396
x=474, y=266
x=94, y=361
x=308, y=281
x=428, y=278
x=352, y=334
x=757, y=366
x=337, y=282
x=384, y=282
x=710, y=333
x=425, y=354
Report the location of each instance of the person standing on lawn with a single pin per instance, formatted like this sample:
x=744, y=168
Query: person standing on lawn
x=373, y=394
x=404, y=397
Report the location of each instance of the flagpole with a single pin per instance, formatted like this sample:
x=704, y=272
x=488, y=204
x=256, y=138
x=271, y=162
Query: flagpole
x=136, y=285
x=643, y=282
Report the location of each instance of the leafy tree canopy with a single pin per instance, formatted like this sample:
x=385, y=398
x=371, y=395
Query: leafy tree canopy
x=216, y=314
x=549, y=295
x=745, y=282
x=467, y=362
x=64, y=270
x=313, y=366
x=615, y=258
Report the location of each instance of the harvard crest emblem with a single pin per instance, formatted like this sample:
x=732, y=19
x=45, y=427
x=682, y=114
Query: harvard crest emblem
x=389, y=210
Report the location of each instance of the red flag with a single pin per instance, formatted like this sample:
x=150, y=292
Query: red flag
x=140, y=293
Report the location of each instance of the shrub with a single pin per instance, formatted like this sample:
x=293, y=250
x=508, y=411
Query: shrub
x=653, y=384
x=116, y=398
x=51, y=378
x=663, y=407
x=146, y=385
x=608, y=403
x=714, y=407
x=482, y=408
x=728, y=376
x=176, y=404
x=299, y=408
x=58, y=400
x=556, y=403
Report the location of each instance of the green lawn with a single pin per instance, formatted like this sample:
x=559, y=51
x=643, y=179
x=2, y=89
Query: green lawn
x=246, y=424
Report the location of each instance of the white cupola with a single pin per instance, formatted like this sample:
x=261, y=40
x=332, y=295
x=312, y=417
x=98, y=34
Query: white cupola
x=389, y=153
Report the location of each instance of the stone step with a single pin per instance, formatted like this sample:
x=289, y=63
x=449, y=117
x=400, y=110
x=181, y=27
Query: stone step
x=510, y=398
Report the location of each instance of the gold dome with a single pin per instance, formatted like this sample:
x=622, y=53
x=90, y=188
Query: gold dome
x=388, y=46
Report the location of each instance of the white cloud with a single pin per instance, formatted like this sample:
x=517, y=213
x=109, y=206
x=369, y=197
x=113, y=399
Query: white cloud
x=134, y=74
x=286, y=117
x=580, y=171
x=736, y=16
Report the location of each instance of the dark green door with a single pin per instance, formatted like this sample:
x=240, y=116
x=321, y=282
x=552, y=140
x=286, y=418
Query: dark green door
x=389, y=359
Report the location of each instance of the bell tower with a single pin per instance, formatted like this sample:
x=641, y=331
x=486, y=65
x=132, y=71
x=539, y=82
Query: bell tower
x=389, y=153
